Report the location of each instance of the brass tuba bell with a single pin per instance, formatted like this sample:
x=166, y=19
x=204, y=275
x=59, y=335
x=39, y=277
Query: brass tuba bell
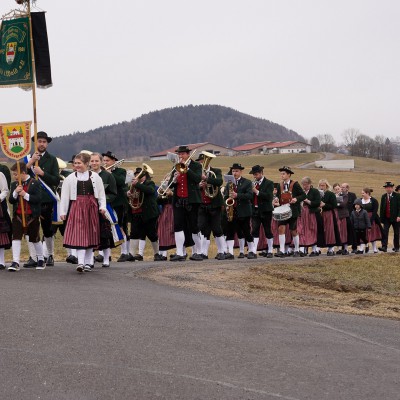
x=136, y=197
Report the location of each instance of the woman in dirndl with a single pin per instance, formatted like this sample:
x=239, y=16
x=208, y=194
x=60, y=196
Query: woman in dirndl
x=371, y=206
x=328, y=206
x=82, y=199
x=342, y=214
x=5, y=221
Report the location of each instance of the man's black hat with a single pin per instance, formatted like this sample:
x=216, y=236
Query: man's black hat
x=397, y=188
x=182, y=149
x=110, y=155
x=200, y=157
x=42, y=135
x=388, y=184
x=286, y=169
x=72, y=159
x=236, y=166
x=256, y=169
x=137, y=170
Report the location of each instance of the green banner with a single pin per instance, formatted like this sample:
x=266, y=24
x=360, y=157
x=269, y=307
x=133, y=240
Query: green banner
x=15, y=53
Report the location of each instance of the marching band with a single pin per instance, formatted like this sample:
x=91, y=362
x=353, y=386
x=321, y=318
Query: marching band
x=93, y=205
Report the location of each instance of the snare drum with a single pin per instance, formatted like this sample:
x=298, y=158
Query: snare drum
x=282, y=213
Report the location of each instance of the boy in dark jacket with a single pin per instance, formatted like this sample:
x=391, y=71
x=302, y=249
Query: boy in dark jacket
x=361, y=222
x=30, y=192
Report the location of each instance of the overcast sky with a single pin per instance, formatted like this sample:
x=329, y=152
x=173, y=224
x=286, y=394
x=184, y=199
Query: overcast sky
x=314, y=66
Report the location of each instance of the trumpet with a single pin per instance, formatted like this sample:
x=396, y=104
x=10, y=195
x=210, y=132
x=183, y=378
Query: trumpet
x=210, y=190
x=136, y=197
x=114, y=166
x=230, y=203
x=167, y=182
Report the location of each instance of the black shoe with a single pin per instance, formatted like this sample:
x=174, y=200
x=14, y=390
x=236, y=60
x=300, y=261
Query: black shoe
x=330, y=253
x=359, y=252
x=263, y=253
x=280, y=254
x=345, y=253
x=296, y=254
x=158, y=257
x=229, y=256
x=138, y=257
x=396, y=250
x=302, y=254
x=130, y=257
x=41, y=264
x=269, y=255
x=13, y=267
x=251, y=255
x=177, y=258
x=196, y=257
x=220, y=256
x=79, y=268
x=314, y=254
x=105, y=265
x=99, y=258
x=71, y=259
x=50, y=261
x=31, y=263
x=204, y=256
x=367, y=249
x=383, y=248
x=339, y=251
x=241, y=255
x=2, y=266
x=123, y=258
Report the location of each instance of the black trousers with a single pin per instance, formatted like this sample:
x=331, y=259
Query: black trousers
x=140, y=229
x=46, y=219
x=122, y=218
x=351, y=234
x=241, y=226
x=186, y=215
x=361, y=236
x=209, y=220
x=386, y=226
x=264, y=219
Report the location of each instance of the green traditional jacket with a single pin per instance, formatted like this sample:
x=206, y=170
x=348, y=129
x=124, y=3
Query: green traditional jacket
x=110, y=186
x=265, y=196
x=217, y=181
x=149, y=207
x=48, y=163
x=35, y=194
x=194, y=173
x=315, y=197
x=244, y=197
x=297, y=193
x=119, y=175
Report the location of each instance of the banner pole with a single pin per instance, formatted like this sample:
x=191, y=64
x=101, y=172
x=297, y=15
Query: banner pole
x=21, y=200
x=33, y=83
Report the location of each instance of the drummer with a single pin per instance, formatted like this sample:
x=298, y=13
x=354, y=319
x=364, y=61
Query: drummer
x=289, y=192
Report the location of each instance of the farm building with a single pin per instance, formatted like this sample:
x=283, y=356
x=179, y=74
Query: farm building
x=273, y=148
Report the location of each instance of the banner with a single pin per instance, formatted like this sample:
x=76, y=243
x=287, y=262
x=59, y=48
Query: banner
x=15, y=139
x=15, y=53
x=41, y=50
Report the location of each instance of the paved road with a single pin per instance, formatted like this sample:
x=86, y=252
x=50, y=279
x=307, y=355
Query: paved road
x=111, y=335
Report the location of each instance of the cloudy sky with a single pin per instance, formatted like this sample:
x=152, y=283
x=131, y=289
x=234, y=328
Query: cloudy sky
x=314, y=66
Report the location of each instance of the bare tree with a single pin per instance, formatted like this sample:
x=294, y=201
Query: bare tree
x=350, y=137
x=326, y=142
x=315, y=144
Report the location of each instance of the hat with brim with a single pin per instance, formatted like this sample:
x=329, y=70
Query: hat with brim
x=286, y=169
x=72, y=159
x=137, y=170
x=237, y=166
x=110, y=155
x=388, y=184
x=200, y=157
x=182, y=149
x=42, y=135
x=256, y=169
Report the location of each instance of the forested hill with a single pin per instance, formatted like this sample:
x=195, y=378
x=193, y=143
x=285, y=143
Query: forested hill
x=166, y=128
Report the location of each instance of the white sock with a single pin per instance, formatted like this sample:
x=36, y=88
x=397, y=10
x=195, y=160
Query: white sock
x=154, y=245
x=241, y=245
x=220, y=242
x=362, y=246
x=2, y=256
x=330, y=248
x=163, y=253
x=314, y=248
x=80, y=253
x=296, y=242
x=302, y=249
x=31, y=248
x=101, y=253
x=250, y=246
x=225, y=245
x=270, y=244
x=230, y=244
x=44, y=249
x=256, y=240
x=345, y=246
x=16, y=250
x=88, y=256
x=142, y=245
x=50, y=245
x=123, y=248
x=196, y=239
x=205, y=247
x=282, y=240
x=180, y=241
x=39, y=250
x=106, y=256
x=374, y=248
x=73, y=253
x=134, y=246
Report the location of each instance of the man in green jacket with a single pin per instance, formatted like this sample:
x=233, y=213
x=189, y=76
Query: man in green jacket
x=263, y=190
x=240, y=191
x=48, y=172
x=186, y=202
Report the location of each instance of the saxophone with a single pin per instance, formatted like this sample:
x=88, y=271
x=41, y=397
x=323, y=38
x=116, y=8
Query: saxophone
x=230, y=202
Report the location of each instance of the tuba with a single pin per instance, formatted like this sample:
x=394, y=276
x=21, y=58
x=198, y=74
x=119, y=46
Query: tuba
x=230, y=203
x=210, y=190
x=136, y=197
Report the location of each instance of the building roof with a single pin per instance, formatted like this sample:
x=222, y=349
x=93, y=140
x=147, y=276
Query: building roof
x=191, y=146
x=268, y=145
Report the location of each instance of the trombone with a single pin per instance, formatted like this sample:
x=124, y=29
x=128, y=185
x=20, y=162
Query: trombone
x=114, y=166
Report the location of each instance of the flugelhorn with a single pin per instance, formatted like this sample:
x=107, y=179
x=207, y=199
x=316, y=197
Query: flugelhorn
x=136, y=197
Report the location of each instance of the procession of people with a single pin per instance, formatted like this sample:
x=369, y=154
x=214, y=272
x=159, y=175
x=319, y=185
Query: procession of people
x=94, y=205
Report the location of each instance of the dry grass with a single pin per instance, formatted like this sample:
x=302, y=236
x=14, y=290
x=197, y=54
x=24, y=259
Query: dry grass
x=368, y=285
